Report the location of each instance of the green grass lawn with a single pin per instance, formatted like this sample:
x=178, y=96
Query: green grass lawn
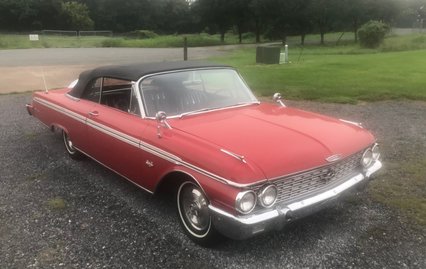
x=22, y=42
x=406, y=192
x=344, y=74
x=9, y=41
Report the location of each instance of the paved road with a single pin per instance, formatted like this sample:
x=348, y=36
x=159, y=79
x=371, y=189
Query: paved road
x=23, y=70
x=60, y=213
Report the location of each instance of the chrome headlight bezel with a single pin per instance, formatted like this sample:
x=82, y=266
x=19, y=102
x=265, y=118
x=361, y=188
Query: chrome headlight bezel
x=266, y=192
x=245, y=197
x=370, y=156
x=367, y=158
x=375, y=152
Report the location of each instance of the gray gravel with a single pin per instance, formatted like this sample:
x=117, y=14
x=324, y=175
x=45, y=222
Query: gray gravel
x=59, y=213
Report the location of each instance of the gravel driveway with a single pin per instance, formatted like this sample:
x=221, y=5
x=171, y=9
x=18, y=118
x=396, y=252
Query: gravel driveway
x=59, y=213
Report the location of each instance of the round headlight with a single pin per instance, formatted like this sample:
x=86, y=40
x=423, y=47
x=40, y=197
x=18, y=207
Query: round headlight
x=246, y=201
x=268, y=196
x=367, y=158
x=376, y=152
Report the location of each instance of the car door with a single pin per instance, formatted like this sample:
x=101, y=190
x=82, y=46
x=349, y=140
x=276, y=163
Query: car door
x=75, y=122
x=114, y=136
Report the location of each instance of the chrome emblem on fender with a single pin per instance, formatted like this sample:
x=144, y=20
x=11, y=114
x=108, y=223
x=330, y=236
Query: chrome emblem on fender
x=334, y=158
x=149, y=163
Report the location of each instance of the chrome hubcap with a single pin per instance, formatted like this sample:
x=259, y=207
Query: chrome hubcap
x=70, y=144
x=195, y=209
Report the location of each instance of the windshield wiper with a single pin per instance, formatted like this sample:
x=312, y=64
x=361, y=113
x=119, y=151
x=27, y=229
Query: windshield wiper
x=195, y=112
x=216, y=108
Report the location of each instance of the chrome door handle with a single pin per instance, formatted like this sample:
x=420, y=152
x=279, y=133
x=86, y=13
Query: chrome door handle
x=94, y=113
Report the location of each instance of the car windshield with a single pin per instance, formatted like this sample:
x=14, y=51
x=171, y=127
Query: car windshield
x=187, y=92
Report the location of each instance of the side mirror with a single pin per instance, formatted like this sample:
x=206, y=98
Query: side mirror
x=161, y=118
x=278, y=98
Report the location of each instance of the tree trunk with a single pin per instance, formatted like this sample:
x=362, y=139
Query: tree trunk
x=355, y=27
x=302, y=39
x=257, y=26
x=322, y=38
x=222, y=36
x=284, y=39
x=240, y=35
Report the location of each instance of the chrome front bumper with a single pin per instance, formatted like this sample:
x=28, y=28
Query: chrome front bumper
x=242, y=227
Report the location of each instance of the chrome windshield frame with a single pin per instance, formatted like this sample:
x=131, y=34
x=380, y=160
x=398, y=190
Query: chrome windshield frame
x=142, y=100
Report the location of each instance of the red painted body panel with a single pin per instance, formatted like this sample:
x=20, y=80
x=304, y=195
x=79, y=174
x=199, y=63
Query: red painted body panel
x=275, y=141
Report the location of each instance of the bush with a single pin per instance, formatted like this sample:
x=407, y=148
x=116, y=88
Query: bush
x=372, y=34
x=112, y=42
x=141, y=34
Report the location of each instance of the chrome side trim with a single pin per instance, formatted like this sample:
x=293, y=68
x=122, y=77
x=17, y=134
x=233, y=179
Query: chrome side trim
x=353, y=123
x=236, y=156
x=334, y=158
x=111, y=132
x=137, y=143
x=60, y=109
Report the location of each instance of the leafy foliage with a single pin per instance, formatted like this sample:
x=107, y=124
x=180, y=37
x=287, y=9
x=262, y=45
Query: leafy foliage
x=77, y=16
x=274, y=19
x=141, y=34
x=372, y=34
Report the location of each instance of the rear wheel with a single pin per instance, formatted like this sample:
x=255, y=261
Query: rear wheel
x=194, y=214
x=69, y=146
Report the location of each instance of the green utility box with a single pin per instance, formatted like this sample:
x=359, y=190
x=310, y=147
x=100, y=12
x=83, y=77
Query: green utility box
x=268, y=55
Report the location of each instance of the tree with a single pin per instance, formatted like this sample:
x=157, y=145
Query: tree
x=24, y=15
x=173, y=16
x=300, y=18
x=216, y=14
x=324, y=14
x=355, y=13
x=385, y=10
x=256, y=12
x=241, y=16
x=77, y=16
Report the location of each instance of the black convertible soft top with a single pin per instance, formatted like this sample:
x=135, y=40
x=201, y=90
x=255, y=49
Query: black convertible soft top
x=133, y=72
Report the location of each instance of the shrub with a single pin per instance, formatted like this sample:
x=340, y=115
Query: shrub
x=372, y=34
x=112, y=42
x=249, y=35
x=141, y=34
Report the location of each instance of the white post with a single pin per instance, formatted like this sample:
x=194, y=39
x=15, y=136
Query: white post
x=286, y=54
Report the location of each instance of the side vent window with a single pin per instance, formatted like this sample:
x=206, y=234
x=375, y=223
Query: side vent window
x=93, y=91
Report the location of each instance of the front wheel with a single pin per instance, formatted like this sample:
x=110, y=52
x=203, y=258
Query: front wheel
x=69, y=146
x=194, y=215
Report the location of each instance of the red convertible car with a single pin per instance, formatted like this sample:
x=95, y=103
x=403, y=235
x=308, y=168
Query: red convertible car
x=237, y=167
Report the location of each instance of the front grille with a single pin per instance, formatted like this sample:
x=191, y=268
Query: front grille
x=312, y=181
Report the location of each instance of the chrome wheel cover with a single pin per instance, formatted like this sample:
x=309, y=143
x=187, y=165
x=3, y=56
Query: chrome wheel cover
x=193, y=209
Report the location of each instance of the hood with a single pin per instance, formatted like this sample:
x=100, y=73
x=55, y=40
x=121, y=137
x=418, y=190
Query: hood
x=275, y=140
